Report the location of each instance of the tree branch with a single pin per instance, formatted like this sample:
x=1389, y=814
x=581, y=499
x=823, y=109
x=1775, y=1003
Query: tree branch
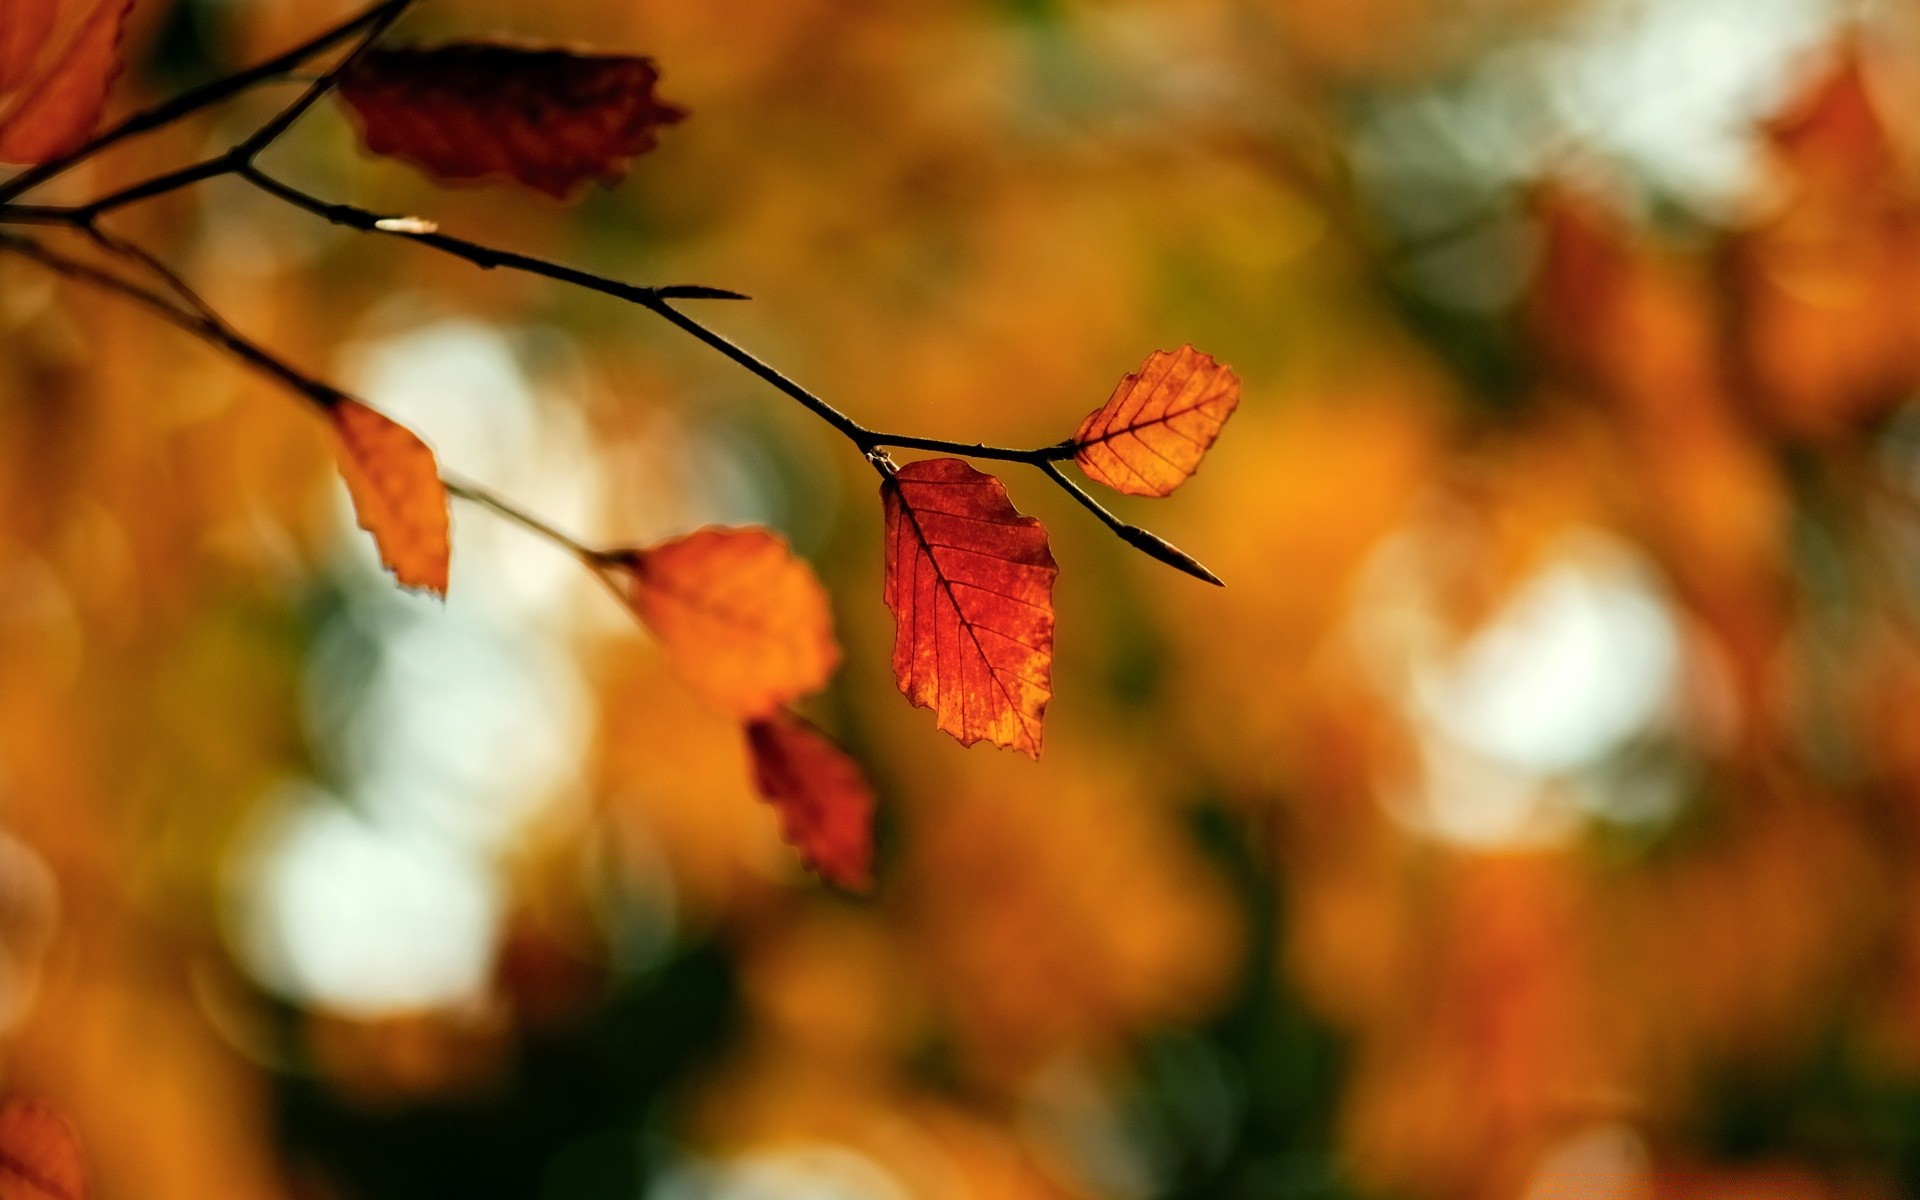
x=240, y=161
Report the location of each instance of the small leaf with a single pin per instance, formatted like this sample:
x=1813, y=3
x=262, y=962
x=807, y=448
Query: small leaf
x=1150, y=435
x=58, y=110
x=397, y=494
x=824, y=800
x=742, y=620
x=548, y=118
x=970, y=583
x=40, y=1155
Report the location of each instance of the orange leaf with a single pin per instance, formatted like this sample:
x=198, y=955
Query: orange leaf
x=1152, y=432
x=825, y=803
x=39, y=1154
x=742, y=620
x=58, y=111
x=970, y=583
x=397, y=494
x=547, y=118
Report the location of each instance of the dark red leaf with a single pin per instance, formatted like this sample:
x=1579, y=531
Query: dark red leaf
x=548, y=118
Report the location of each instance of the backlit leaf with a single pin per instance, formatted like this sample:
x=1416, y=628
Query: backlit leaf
x=970, y=583
x=825, y=802
x=1152, y=432
x=742, y=620
x=39, y=1154
x=548, y=118
x=397, y=494
x=57, y=111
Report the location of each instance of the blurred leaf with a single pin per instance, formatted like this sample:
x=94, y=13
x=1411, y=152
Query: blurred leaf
x=39, y=1154
x=742, y=620
x=825, y=802
x=549, y=119
x=58, y=110
x=397, y=494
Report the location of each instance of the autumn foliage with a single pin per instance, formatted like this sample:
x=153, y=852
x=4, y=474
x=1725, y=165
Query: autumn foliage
x=446, y=742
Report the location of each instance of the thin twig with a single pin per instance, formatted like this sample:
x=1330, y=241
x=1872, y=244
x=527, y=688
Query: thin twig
x=1148, y=543
x=474, y=493
x=211, y=328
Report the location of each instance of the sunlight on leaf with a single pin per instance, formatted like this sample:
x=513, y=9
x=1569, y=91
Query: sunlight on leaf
x=970, y=583
x=1151, y=434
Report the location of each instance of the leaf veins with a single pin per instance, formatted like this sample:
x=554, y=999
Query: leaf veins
x=970, y=583
x=397, y=494
x=549, y=119
x=1151, y=434
x=824, y=800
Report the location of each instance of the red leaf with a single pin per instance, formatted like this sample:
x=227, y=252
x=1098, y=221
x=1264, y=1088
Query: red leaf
x=742, y=620
x=1150, y=435
x=825, y=803
x=25, y=30
x=397, y=494
x=40, y=1155
x=547, y=118
x=58, y=110
x=970, y=583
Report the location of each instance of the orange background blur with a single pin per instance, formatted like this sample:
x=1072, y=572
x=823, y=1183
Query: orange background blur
x=1535, y=814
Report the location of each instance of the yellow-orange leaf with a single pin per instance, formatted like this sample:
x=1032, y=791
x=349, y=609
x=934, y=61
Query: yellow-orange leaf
x=825, y=803
x=57, y=111
x=39, y=1154
x=1152, y=432
x=742, y=620
x=397, y=494
x=970, y=583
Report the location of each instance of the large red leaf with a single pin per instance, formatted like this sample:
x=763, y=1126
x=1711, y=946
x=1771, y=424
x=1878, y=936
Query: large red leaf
x=397, y=494
x=825, y=803
x=548, y=118
x=57, y=111
x=39, y=1154
x=742, y=620
x=1152, y=432
x=970, y=583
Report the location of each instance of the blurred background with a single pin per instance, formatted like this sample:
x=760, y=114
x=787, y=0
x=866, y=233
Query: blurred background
x=1535, y=814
